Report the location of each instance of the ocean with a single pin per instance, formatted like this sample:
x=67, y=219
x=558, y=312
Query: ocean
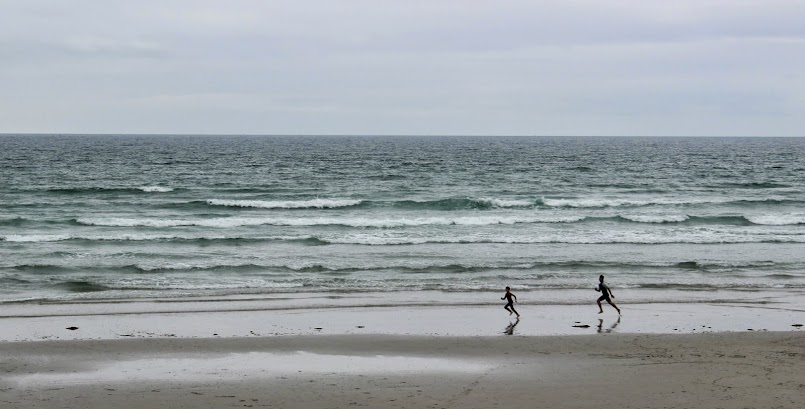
x=112, y=217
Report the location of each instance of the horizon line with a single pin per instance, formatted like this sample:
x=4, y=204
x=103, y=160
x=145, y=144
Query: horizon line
x=386, y=135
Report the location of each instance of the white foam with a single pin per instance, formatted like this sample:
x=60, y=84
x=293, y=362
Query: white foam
x=698, y=237
x=22, y=238
x=100, y=237
x=216, y=263
x=778, y=219
x=621, y=202
x=229, y=222
x=156, y=189
x=395, y=237
x=645, y=218
x=597, y=202
x=132, y=222
x=505, y=203
x=287, y=204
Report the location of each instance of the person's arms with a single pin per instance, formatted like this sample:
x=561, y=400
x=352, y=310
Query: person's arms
x=515, y=297
x=610, y=292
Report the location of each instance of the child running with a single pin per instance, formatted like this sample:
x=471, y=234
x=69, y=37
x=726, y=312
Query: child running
x=605, y=295
x=510, y=305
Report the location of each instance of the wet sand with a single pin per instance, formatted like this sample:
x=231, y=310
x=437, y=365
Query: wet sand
x=716, y=370
x=419, y=313
x=327, y=353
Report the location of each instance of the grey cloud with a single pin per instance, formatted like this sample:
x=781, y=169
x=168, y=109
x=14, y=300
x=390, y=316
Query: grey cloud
x=416, y=66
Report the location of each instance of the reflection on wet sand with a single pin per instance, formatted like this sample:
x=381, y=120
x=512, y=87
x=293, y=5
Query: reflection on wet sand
x=510, y=328
x=612, y=328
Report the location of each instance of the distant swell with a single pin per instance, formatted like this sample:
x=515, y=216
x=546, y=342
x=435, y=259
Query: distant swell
x=753, y=185
x=13, y=222
x=109, y=190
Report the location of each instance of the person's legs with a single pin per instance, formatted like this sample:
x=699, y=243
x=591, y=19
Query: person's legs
x=613, y=304
x=600, y=308
x=515, y=311
x=506, y=307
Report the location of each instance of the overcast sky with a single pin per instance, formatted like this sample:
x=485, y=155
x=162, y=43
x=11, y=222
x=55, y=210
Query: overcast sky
x=457, y=67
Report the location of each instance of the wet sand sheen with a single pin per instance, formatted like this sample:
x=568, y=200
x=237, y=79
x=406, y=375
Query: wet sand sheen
x=719, y=370
x=202, y=319
x=249, y=353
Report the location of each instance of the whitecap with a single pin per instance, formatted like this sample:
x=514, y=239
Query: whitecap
x=494, y=202
x=229, y=222
x=778, y=219
x=646, y=218
x=286, y=204
x=156, y=189
x=22, y=238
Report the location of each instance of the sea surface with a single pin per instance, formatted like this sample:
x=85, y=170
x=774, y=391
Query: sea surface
x=120, y=216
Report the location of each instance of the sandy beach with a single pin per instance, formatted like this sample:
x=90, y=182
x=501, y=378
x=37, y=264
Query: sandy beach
x=152, y=354
x=724, y=370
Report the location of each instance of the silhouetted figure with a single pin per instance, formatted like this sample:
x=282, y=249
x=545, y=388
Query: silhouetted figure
x=510, y=305
x=606, y=293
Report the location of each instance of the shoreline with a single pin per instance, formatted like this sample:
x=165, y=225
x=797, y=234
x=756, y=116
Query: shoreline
x=415, y=313
x=318, y=351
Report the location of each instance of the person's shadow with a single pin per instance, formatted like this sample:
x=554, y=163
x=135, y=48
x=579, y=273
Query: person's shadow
x=601, y=329
x=510, y=328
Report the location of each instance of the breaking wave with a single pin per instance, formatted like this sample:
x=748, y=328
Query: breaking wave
x=156, y=189
x=778, y=219
x=368, y=222
x=286, y=204
x=619, y=202
x=228, y=222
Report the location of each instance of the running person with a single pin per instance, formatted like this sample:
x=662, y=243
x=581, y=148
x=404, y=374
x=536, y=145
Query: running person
x=605, y=295
x=510, y=305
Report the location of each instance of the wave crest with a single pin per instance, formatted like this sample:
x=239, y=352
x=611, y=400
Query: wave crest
x=778, y=219
x=494, y=202
x=156, y=189
x=656, y=218
x=287, y=204
x=623, y=202
x=323, y=221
